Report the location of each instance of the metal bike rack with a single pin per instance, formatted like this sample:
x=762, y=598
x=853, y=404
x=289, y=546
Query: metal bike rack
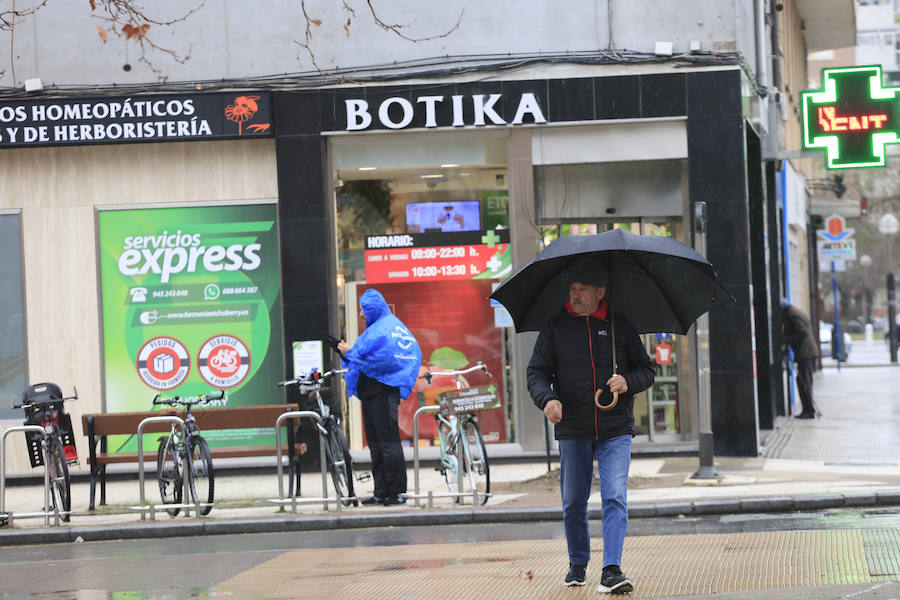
x=459, y=453
x=46, y=512
x=325, y=499
x=187, y=486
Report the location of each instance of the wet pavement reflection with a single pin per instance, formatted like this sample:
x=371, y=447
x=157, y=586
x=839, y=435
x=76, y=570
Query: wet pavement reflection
x=196, y=567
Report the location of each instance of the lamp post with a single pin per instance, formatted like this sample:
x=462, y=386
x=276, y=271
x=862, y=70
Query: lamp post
x=889, y=226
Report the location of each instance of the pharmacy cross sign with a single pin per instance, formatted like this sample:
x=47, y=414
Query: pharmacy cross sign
x=852, y=118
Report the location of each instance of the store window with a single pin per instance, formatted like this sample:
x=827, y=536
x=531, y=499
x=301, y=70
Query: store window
x=12, y=315
x=423, y=219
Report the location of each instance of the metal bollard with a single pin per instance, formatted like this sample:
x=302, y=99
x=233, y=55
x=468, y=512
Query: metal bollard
x=140, y=440
x=298, y=414
x=415, y=441
x=47, y=511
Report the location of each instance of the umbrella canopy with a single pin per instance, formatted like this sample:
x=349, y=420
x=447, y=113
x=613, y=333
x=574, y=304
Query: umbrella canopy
x=657, y=283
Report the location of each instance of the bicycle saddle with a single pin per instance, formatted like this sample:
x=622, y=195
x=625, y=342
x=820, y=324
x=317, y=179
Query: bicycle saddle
x=42, y=393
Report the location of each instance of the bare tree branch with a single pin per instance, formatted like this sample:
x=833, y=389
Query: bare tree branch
x=396, y=28
x=8, y=17
x=128, y=20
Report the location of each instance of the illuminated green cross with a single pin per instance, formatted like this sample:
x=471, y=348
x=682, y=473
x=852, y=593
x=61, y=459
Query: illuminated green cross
x=490, y=238
x=852, y=118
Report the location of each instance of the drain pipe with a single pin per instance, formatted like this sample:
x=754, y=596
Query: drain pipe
x=762, y=68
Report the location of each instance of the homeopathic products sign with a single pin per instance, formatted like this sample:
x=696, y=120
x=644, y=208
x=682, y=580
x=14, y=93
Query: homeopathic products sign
x=191, y=303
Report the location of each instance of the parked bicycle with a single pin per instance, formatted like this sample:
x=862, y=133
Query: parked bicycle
x=55, y=448
x=337, y=452
x=456, y=422
x=171, y=456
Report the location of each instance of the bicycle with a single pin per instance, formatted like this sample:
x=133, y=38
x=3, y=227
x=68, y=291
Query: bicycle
x=43, y=404
x=337, y=452
x=456, y=422
x=171, y=455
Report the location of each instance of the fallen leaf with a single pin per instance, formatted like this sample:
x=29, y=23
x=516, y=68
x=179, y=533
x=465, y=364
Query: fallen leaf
x=529, y=574
x=102, y=33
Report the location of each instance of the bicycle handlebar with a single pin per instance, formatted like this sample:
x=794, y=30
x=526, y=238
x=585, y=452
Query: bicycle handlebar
x=314, y=378
x=160, y=400
x=45, y=402
x=479, y=365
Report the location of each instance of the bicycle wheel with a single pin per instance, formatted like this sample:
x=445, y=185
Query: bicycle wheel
x=168, y=474
x=449, y=462
x=203, y=484
x=60, y=484
x=476, y=461
x=340, y=464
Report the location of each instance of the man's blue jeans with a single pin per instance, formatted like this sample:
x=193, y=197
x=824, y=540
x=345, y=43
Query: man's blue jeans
x=576, y=458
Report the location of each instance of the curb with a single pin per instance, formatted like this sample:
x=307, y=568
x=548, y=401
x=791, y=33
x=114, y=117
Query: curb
x=153, y=530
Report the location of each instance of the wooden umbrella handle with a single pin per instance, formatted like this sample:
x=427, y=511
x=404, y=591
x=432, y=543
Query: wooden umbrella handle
x=609, y=406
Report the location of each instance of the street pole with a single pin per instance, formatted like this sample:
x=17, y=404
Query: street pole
x=837, y=327
x=707, y=469
x=892, y=310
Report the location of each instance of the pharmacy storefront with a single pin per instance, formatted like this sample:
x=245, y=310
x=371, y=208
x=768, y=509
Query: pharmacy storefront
x=433, y=195
x=228, y=234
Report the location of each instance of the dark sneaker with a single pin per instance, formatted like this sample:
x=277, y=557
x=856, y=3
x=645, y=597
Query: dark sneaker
x=394, y=501
x=576, y=574
x=614, y=581
x=372, y=500
x=805, y=416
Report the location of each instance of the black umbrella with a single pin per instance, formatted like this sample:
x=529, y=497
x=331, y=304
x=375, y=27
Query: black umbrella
x=657, y=283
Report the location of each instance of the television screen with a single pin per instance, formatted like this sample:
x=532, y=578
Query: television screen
x=443, y=216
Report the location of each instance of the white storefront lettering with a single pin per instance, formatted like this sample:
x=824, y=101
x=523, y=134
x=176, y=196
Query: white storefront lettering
x=359, y=115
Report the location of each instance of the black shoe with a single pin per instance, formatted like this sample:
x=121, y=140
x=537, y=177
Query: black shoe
x=614, y=581
x=805, y=415
x=576, y=574
x=372, y=500
x=394, y=501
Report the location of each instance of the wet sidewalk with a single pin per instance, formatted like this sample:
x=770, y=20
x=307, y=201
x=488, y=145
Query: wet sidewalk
x=847, y=458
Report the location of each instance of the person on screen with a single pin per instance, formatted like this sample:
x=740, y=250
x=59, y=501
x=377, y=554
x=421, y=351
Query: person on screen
x=450, y=220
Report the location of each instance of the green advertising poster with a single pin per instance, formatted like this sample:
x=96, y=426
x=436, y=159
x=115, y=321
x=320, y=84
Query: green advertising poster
x=191, y=303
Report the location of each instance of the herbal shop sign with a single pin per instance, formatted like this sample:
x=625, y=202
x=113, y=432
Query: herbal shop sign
x=146, y=118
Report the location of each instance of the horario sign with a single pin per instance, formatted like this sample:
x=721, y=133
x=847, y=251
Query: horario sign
x=853, y=117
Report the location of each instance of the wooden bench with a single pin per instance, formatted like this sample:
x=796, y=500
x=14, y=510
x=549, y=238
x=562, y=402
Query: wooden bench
x=98, y=426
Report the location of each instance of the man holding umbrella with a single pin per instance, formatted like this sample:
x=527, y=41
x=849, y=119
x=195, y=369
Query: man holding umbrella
x=586, y=389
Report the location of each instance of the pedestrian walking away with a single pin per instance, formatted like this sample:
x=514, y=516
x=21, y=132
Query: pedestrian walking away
x=586, y=389
x=383, y=365
x=798, y=334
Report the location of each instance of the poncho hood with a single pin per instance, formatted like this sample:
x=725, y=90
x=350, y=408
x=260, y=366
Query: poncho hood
x=386, y=351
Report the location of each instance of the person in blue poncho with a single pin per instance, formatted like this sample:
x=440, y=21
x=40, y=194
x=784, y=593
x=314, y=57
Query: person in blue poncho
x=383, y=365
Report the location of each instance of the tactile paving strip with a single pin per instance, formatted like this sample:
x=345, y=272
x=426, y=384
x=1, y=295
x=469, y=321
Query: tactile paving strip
x=660, y=566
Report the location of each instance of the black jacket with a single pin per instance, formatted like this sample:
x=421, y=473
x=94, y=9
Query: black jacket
x=574, y=354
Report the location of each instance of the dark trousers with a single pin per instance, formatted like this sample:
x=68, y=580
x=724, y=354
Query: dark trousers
x=805, y=368
x=383, y=436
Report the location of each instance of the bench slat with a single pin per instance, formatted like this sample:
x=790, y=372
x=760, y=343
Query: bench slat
x=150, y=454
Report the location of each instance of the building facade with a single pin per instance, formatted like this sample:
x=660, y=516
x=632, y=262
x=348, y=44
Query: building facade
x=292, y=196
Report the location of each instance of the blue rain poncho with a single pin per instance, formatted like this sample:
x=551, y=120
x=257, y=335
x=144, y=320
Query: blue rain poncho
x=386, y=351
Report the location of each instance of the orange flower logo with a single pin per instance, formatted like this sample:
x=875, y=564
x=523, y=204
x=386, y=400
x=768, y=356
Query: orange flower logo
x=242, y=110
